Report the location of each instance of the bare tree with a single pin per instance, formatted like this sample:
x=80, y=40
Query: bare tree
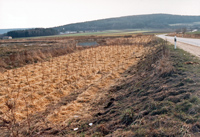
x=184, y=30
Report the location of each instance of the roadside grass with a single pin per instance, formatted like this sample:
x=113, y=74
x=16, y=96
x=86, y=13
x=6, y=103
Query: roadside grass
x=184, y=60
x=181, y=105
x=187, y=110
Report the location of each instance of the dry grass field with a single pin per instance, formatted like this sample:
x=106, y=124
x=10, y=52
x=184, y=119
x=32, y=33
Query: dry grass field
x=19, y=52
x=28, y=91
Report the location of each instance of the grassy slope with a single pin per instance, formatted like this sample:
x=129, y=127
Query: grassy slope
x=151, y=100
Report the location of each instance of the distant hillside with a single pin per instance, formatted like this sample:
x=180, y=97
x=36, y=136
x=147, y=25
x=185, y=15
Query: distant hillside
x=32, y=32
x=151, y=21
x=2, y=31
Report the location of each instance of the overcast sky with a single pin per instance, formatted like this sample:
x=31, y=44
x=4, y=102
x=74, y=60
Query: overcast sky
x=50, y=13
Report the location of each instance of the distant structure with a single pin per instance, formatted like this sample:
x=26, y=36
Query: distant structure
x=194, y=30
x=6, y=37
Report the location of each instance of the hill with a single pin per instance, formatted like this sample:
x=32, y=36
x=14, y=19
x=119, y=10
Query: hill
x=149, y=21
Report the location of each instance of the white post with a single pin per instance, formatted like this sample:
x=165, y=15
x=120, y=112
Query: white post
x=175, y=45
x=175, y=42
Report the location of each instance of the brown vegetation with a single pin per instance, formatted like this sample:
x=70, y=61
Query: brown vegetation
x=19, y=52
x=63, y=87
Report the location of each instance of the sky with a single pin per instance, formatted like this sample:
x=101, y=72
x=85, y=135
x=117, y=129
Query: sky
x=50, y=13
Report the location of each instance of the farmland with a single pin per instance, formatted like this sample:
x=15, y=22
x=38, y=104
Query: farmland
x=127, y=85
x=43, y=83
x=109, y=33
x=101, y=33
x=32, y=88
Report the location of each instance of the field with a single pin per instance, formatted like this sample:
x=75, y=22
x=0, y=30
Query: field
x=100, y=33
x=110, y=33
x=18, y=52
x=131, y=85
x=32, y=89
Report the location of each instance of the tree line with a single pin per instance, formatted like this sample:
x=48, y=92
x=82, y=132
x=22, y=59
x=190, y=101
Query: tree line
x=32, y=32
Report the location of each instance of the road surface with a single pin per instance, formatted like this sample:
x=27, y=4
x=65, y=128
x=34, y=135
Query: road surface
x=187, y=44
x=195, y=42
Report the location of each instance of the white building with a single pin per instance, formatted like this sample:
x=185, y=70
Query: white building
x=7, y=37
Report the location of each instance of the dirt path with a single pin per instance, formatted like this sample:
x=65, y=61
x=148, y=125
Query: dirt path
x=195, y=50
